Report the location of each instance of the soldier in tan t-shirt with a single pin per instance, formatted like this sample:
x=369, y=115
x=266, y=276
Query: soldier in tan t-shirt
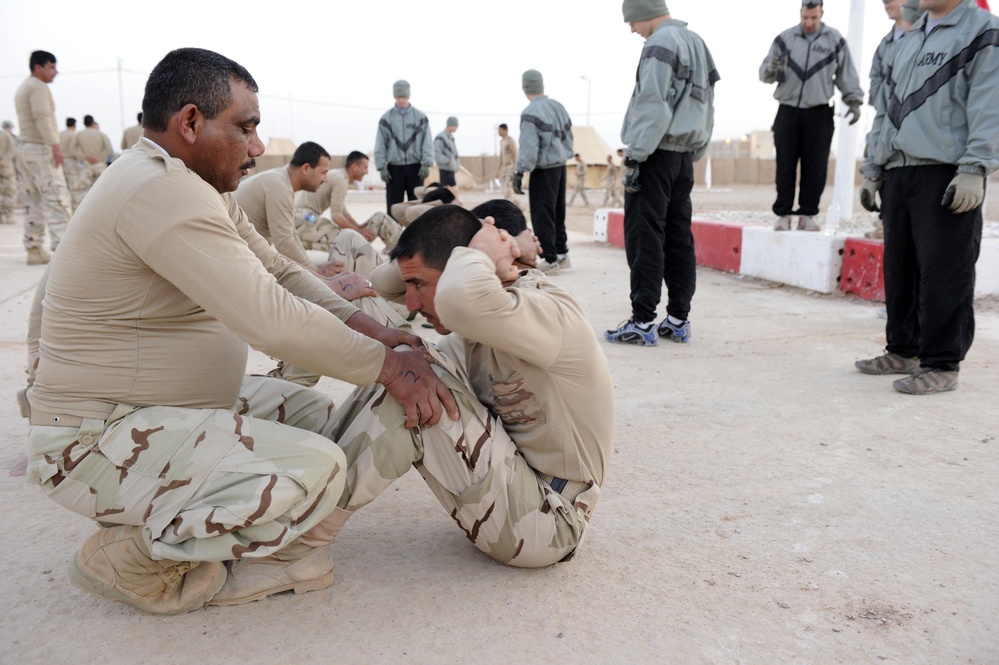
x=521, y=473
x=141, y=416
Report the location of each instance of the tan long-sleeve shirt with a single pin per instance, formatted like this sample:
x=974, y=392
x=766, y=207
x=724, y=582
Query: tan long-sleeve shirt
x=36, y=112
x=159, y=285
x=90, y=144
x=508, y=152
x=131, y=136
x=531, y=358
x=268, y=200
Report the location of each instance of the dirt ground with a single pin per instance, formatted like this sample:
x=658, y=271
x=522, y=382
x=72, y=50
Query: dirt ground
x=766, y=503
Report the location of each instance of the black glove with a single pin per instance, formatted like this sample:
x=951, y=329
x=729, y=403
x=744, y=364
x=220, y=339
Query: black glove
x=518, y=179
x=868, y=194
x=853, y=113
x=630, y=177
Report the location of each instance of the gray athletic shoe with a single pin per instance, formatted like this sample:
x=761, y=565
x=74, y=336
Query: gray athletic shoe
x=548, y=267
x=807, y=223
x=926, y=382
x=783, y=223
x=889, y=363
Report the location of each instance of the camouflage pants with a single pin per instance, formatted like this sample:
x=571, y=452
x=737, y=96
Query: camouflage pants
x=385, y=228
x=580, y=189
x=206, y=484
x=44, y=190
x=8, y=192
x=613, y=194
x=473, y=468
x=322, y=234
x=506, y=178
x=89, y=173
x=377, y=308
x=318, y=235
x=72, y=172
x=355, y=253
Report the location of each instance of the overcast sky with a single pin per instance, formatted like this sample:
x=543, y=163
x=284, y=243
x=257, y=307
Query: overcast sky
x=326, y=74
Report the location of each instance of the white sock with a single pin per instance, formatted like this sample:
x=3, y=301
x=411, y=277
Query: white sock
x=675, y=321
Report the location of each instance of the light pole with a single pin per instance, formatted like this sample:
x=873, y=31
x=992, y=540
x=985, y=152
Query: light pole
x=589, y=89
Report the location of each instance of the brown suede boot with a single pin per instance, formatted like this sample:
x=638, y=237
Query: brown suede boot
x=304, y=565
x=37, y=256
x=115, y=563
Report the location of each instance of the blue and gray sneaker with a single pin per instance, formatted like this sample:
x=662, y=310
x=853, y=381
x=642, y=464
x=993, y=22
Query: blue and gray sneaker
x=630, y=332
x=676, y=332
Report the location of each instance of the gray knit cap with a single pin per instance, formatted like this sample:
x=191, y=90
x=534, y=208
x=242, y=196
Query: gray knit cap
x=452, y=121
x=400, y=89
x=640, y=10
x=911, y=11
x=532, y=82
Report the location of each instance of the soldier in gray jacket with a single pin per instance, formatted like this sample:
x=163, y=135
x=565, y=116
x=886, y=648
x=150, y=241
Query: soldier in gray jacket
x=934, y=141
x=666, y=128
x=446, y=153
x=882, y=56
x=404, y=150
x=545, y=147
x=806, y=61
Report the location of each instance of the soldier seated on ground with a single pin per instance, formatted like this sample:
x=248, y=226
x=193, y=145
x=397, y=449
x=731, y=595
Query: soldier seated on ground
x=318, y=231
x=432, y=195
x=521, y=471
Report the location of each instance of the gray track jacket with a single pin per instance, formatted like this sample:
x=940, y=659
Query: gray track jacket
x=813, y=68
x=882, y=56
x=403, y=138
x=545, y=135
x=940, y=101
x=446, y=152
x=672, y=106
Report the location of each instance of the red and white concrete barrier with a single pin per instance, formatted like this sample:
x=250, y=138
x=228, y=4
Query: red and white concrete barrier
x=814, y=261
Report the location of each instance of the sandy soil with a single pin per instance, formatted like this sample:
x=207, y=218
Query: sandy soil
x=766, y=503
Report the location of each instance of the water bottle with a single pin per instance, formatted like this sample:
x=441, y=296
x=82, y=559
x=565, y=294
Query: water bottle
x=310, y=217
x=832, y=219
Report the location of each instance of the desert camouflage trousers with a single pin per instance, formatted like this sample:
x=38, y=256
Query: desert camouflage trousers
x=8, y=192
x=318, y=235
x=377, y=308
x=473, y=468
x=43, y=188
x=355, y=253
x=322, y=234
x=89, y=173
x=506, y=178
x=614, y=193
x=206, y=484
x=71, y=169
x=579, y=189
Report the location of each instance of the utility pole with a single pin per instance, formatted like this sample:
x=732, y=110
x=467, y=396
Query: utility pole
x=121, y=99
x=846, y=154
